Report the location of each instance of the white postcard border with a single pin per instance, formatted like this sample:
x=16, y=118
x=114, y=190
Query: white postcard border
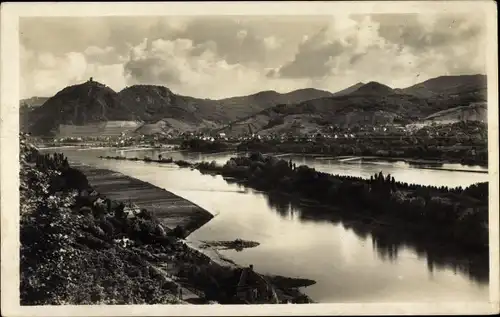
x=9, y=152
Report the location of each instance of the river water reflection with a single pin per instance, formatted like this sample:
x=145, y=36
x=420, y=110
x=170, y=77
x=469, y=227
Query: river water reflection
x=350, y=262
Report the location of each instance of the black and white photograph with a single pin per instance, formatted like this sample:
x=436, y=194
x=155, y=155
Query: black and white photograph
x=199, y=156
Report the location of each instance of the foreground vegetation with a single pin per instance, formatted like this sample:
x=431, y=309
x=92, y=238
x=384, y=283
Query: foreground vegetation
x=78, y=247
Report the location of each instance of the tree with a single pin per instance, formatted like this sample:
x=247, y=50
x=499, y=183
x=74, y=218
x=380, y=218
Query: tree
x=380, y=176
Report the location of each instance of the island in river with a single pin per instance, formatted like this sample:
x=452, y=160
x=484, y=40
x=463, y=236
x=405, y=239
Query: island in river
x=458, y=215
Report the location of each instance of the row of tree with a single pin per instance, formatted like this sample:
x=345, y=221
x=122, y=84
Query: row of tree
x=200, y=145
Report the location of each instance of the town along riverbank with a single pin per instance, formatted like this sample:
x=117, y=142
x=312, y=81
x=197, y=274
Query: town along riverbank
x=460, y=142
x=467, y=155
x=79, y=246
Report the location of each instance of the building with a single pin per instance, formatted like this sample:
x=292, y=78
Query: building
x=252, y=288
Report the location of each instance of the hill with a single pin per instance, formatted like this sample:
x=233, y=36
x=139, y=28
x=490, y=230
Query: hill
x=244, y=106
x=25, y=108
x=33, y=102
x=348, y=90
x=152, y=103
x=372, y=104
x=448, y=86
x=80, y=104
x=301, y=95
x=474, y=112
x=315, y=114
x=160, y=110
x=165, y=112
x=373, y=89
x=173, y=126
x=448, y=92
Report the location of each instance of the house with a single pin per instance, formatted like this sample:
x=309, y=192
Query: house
x=252, y=288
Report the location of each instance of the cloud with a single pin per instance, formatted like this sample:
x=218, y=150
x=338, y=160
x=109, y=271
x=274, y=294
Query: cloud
x=44, y=74
x=433, y=31
x=235, y=55
x=198, y=70
x=391, y=48
x=94, y=50
x=61, y=35
x=321, y=54
x=242, y=46
x=241, y=34
x=313, y=57
x=102, y=55
x=158, y=62
x=272, y=43
x=47, y=60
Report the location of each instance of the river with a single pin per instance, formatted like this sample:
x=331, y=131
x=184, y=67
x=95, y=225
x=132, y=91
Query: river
x=348, y=261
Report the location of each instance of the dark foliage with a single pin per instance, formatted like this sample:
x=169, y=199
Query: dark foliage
x=199, y=145
x=81, y=248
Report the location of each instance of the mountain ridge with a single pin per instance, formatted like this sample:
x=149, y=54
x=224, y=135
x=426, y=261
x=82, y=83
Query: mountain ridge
x=165, y=110
x=369, y=104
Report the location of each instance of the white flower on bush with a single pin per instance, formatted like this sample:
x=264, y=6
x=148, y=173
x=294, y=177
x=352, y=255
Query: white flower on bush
x=124, y=242
x=52, y=201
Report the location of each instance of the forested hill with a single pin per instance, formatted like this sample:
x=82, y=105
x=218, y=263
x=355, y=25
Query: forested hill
x=162, y=110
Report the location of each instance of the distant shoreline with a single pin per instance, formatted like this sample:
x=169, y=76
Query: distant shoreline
x=358, y=159
x=415, y=161
x=318, y=156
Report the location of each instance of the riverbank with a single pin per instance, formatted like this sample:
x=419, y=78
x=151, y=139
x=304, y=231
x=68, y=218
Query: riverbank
x=85, y=146
x=79, y=246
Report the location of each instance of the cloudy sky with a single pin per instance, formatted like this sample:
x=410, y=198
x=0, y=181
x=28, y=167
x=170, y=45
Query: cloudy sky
x=217, y=57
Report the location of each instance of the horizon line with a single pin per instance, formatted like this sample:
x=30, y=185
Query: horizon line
x=250, y=94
